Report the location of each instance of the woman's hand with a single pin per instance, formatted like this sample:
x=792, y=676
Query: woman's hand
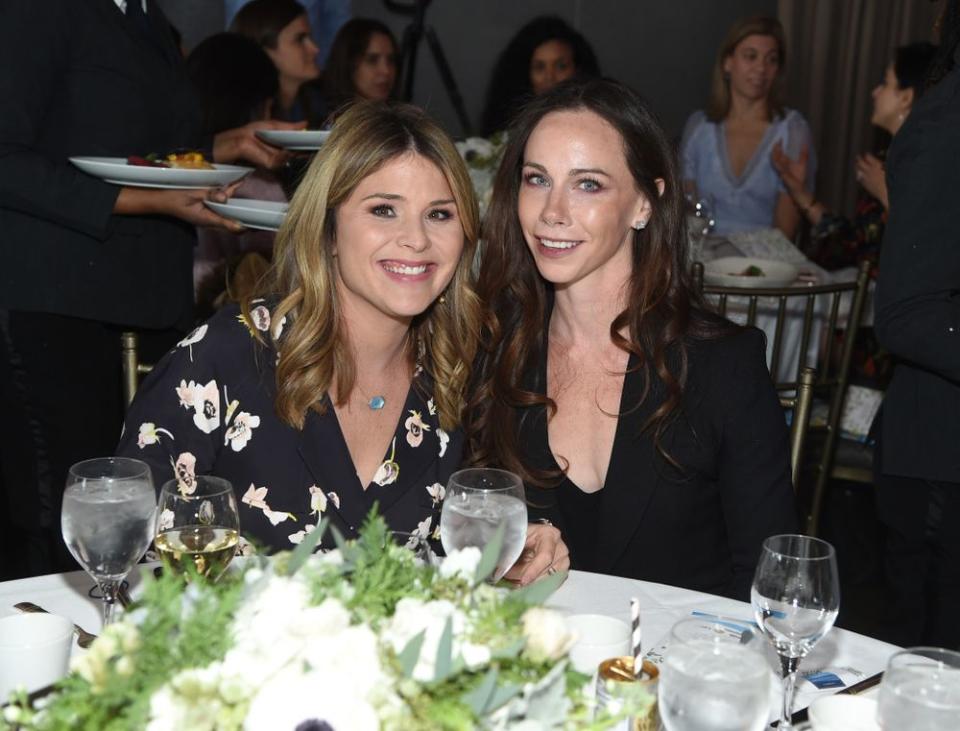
x=543, y=553
x=242, y=144
x=187, y=205
x=792, y=172
x=872, y=176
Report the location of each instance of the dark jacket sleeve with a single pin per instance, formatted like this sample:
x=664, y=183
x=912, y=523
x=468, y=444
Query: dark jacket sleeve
x=918, y=309
x=36, y=41
x=756, y=491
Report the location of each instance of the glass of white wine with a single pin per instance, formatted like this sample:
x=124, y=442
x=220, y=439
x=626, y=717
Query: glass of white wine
x=198, y=527
x=107, y=520
x=477, y=502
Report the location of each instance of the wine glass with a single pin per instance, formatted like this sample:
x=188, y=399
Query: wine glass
x=198, y=526
x=713, y=678
x=477, y=502
x=796, y=597
x=107, y=520
x=921, y=690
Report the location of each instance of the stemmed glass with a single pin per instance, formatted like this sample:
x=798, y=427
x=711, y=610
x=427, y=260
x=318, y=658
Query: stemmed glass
x=477, y=502
x=715, y=678
x=921, y=690
x=796, y=597
x=107, y=520
x=198, y=526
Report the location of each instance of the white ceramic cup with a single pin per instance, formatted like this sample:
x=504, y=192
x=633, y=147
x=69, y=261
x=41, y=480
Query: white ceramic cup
x=34, y=651
x=843, y=713
x=598, y=638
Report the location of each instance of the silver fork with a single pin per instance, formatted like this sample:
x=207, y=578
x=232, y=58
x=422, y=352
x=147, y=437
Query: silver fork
x=84, y=638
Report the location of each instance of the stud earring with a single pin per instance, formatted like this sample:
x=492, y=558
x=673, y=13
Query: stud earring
x=442, y=299
x=639, y=225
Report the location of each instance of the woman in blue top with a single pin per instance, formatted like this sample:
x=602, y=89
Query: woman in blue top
x=725, y=152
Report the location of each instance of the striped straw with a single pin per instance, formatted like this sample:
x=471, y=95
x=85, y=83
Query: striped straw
x=636, y=637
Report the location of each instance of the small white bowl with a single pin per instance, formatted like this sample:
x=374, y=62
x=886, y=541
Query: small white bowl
x=844, y=713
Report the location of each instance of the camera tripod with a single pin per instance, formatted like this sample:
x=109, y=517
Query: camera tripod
x=410, y=44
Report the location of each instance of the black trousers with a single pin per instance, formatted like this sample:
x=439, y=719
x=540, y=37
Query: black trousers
x=60, y=390
x=921, y=560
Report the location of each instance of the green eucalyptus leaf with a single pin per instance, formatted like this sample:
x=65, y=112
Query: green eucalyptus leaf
x=502, y=694
x=490, y=555
x=444, y=665
x=510, y=651
x=478, y=698
x=539, y=591
x=411, y=653
x=307, y=546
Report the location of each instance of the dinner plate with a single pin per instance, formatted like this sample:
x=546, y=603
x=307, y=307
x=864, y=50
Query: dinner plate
x=295, y=139
x=728, y=272
x=265, y=215
x=116, y=170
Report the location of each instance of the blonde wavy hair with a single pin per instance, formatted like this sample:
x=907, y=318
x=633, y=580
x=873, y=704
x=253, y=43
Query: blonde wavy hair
x=718, y=106
x=313, y=346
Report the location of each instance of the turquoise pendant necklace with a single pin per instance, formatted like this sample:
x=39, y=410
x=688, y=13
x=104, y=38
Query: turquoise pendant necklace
x=377, y=403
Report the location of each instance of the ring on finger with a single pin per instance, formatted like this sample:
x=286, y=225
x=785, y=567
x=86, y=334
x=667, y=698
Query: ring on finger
x=551, y=569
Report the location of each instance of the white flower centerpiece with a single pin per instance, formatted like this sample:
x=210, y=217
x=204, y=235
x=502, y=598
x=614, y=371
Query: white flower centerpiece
x=362, y=637
x=482, y=156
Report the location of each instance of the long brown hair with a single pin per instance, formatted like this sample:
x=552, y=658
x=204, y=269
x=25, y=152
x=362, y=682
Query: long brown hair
x=661, y=306
x=313, y=345
x=718, y=106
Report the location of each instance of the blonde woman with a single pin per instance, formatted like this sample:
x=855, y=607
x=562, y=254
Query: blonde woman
x=725, y=152
x=342, y=387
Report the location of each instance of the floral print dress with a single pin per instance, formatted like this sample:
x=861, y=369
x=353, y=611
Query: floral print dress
x=208, y=408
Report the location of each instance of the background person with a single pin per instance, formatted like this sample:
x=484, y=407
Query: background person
x=543, y=53
x=362, y=64
x=725, y=150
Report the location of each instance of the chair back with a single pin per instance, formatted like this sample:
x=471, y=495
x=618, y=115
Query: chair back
x=130, y=366
x=800, y=404
x=833, y=372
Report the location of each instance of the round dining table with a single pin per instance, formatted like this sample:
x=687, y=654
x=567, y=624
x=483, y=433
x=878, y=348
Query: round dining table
x=841, y=659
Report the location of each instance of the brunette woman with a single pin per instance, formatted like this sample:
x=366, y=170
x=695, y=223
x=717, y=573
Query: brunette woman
x=647, y=430
x=362, y=63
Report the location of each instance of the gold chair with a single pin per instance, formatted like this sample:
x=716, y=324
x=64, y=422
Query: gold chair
x=132, y=369
x=800, y=404
x=833, y=373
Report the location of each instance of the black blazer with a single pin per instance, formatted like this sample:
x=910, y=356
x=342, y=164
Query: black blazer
x=701, y=528
x=208, y=408
x=76, y=79
x=918, y=290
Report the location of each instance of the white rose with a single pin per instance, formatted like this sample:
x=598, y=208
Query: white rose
x=547, y=634
x=462, y=563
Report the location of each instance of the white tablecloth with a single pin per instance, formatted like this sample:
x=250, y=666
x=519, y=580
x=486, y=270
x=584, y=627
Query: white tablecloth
x=583, y=593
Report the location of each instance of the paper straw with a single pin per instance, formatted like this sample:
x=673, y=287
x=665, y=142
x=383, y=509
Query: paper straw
x=636, y=637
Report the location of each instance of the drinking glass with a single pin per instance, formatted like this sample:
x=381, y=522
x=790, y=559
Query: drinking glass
x=796, y=597
x=107, y=520
x=921, y=690
x=713, y=678
x=477, y=502
x=198, y=527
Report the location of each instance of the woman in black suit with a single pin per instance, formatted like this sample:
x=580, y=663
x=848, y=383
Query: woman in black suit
x=646, y=429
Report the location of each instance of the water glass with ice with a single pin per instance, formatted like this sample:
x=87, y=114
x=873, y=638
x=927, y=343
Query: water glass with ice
x=714, y=677
x=478, y=501
x=921, y=690
x=107, y=520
